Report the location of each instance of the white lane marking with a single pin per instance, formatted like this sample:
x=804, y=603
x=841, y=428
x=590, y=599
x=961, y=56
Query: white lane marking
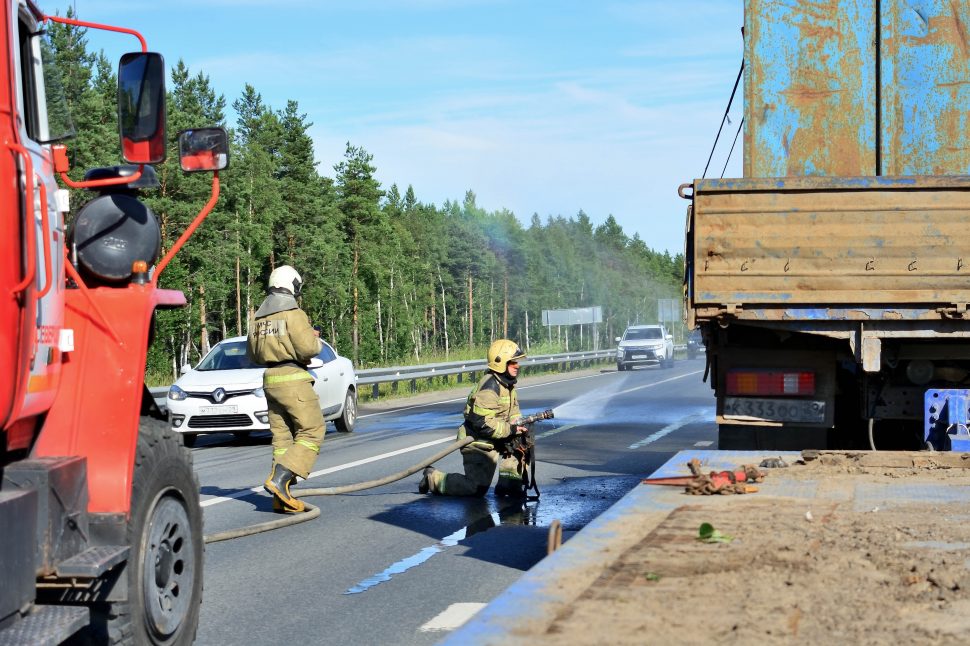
x=340, y=467
x=452, y=617
x=666, y=430
x=556, y=430
x=461, y=399
x=416, y=559
x=705, y=443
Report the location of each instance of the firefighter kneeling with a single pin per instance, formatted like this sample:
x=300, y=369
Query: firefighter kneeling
x=282, y=339
x=491, y=416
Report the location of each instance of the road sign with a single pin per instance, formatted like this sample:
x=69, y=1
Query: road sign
x=575, y=316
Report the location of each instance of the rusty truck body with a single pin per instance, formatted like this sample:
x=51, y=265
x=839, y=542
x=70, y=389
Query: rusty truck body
x=832, y=281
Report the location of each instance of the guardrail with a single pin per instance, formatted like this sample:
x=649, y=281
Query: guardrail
x=394, y=375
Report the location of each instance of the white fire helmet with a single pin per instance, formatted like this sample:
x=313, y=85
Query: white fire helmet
x=285, y=277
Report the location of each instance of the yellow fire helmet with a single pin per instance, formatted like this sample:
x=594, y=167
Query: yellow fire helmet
x=501, y=352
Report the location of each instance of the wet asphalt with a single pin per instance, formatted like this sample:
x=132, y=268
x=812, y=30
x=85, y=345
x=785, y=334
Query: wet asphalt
x=381, y=566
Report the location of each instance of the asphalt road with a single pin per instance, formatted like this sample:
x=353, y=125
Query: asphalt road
x=390, y=566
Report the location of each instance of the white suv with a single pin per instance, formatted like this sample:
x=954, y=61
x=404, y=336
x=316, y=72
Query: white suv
x=645, y=344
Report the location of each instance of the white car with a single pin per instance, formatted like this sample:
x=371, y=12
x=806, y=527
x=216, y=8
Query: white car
x=645, y=344
x=224, y=393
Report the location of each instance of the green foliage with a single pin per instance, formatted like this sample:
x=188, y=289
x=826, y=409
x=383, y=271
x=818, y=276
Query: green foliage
x=707, y=534
x=390, y=279
x=408, y=387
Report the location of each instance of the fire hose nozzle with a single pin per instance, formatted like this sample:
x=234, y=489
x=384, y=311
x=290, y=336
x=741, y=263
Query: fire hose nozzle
x=546, y=414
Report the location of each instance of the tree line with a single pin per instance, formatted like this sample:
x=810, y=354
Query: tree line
x=387, y=277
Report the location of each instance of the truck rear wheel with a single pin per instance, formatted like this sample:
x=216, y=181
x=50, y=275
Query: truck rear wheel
x=164, y=570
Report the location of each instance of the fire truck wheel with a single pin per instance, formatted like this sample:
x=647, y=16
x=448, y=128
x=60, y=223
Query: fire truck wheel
x=165, y=533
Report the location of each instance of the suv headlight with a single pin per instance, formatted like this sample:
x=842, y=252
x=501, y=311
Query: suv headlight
x=619, y=352
x=259, y=392
x=176, y=394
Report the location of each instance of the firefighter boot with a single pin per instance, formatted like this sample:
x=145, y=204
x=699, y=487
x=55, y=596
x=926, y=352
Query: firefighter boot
x=279, y=507
x=425, y=485
x=278, y=484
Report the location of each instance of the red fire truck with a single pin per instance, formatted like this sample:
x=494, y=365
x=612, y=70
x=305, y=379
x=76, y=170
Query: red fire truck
x=100, y=525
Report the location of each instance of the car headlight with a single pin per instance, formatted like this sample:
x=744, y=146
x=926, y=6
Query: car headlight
x=259, y=392
x=176, y=394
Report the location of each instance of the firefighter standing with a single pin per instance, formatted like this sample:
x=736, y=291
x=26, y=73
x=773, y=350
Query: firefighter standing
x=282, y=339
x=491, y=413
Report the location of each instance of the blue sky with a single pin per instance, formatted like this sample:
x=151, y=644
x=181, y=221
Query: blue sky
x=538, y=106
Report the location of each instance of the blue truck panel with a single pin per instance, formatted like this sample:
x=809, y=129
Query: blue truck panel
x=810, y=88
x=925, y=88
x=826, y=87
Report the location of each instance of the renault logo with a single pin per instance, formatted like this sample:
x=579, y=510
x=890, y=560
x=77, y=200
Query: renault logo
x=218, y=395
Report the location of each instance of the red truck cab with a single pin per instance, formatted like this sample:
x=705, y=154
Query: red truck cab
x=99, y=504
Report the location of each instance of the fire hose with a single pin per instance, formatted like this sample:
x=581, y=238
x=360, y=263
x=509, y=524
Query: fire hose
x=312, y=511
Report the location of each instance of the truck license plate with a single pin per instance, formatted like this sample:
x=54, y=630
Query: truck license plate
x=775, y=410
x=218, y=410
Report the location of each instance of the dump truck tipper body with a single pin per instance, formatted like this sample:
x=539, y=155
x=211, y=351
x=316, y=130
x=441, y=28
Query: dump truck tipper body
x=832, y=281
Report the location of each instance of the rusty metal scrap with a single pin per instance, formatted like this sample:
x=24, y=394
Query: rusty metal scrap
x=714, y=482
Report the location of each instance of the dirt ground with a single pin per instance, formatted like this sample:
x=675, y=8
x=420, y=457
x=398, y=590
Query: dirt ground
x=795, y=570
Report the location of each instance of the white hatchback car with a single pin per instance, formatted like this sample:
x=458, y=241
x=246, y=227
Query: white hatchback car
x=224, y=393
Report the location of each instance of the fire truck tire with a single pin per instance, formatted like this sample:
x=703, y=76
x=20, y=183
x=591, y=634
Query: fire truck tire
x=164, y=570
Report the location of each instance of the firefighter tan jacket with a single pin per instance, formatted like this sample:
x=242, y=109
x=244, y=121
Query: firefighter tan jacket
x=490, y=411
x=281, y=337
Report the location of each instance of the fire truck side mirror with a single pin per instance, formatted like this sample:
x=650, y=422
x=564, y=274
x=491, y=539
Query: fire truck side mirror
x=141, y=107
x=61, y=163
x=203, y=149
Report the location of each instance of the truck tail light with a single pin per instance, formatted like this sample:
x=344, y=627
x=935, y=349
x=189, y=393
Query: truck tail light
x=770, y=382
